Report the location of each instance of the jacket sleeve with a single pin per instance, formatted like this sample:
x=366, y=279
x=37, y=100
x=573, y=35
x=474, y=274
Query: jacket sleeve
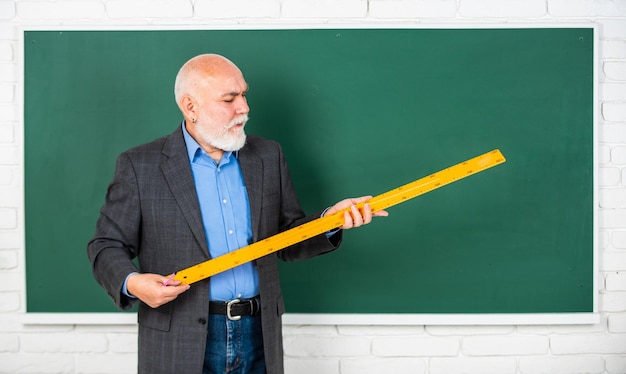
x=116, y=239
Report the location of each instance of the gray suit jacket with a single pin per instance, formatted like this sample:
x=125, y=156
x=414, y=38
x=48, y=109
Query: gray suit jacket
x=151, y=212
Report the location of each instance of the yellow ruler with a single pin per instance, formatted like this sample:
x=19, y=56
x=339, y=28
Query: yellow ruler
x=321, y=225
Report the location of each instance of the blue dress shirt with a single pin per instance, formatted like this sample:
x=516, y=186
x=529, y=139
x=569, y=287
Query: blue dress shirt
x=226, y=218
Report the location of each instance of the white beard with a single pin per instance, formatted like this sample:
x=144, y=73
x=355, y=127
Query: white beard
x=223, y=139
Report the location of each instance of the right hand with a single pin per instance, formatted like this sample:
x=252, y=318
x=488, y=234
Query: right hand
x=149, y=288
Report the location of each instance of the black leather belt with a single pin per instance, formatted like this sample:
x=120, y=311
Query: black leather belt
x=237, y=308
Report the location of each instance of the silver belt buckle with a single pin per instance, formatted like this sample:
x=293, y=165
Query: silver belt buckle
x=228, y=309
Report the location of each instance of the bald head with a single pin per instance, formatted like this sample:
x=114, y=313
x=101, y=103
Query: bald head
x=199, y=71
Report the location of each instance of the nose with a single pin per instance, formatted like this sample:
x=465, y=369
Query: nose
x=242, y=105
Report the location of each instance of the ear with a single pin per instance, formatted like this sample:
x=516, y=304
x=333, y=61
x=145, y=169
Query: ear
x=188, y=106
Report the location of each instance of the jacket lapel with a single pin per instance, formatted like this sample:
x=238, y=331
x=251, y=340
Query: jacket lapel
x=252, y=170
x=177, y=172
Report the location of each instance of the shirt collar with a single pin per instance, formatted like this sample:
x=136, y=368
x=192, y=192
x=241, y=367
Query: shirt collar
x=194, y=150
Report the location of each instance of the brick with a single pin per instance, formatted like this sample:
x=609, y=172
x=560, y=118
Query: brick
x=149, y=9
x=618, y=239
x=469, y=330
x=74, y=10
x=604, y=239
x=415, y=347
x=7, y=92
x=7, y=175
x=6, y=51
x=122, y=343
x=609, y=177
x=9, y=301
x=612, y=218
x=7, y=134
x=473, y=365
x=397, y=365
x=617, y=323
x=9, y=155
x=562, y=365
x=10, y=197
x=311, y=365
x=7, y=10
x=618, y=155
x=586, y=8
x=8, y=113
x=37, y=363
x=320, y=346
x=9, y=343
x=613, y=198
x=8, y=259
x=8, y=218
x=613, y=28
x=505, y=345
x=615, y=112
x=11, y=323
x=613, y=91
x=613, y=133
x=229, y=9
x=413, y=9
x=500, y=9
x=614, y=70
x=324, y=8
x=615, y=282
x=585, y=344
x=613, y=49
x=64, y=343
x=11, y=239
x=112, y=363
x=561, y=8
x=10, y=281
x=8, y=73
x=613, y=302
x=615, y=364
x=613, y=261
x=604, y=154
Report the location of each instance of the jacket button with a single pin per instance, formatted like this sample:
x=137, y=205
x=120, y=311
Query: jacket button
x=202, y=321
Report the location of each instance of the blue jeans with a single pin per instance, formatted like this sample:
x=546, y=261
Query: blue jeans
x=234, y=347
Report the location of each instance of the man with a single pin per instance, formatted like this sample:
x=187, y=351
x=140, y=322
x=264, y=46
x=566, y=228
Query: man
x=200, y=192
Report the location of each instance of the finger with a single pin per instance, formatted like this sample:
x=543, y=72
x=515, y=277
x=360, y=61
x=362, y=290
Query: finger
x=347, y=221
x=381, y=213
x=364, y=198
x=174, y=282
x=367, y=214
x=176, y=290
x=357, y=219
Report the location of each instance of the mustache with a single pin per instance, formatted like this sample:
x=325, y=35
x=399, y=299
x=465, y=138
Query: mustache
x=242, y=119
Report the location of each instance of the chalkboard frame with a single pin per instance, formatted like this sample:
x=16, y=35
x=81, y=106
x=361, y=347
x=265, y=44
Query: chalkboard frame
x=389, y=318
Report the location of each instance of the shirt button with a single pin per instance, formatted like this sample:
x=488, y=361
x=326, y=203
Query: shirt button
x=230, y=232
x=224, y=201
x=202, y=321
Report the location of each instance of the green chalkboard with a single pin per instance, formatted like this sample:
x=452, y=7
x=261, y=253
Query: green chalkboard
x=358, y=111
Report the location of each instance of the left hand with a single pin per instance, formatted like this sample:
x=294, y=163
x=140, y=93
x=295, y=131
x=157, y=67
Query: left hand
x=354, y=217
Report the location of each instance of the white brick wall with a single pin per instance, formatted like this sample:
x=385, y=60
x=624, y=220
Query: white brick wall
x=339, y=349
